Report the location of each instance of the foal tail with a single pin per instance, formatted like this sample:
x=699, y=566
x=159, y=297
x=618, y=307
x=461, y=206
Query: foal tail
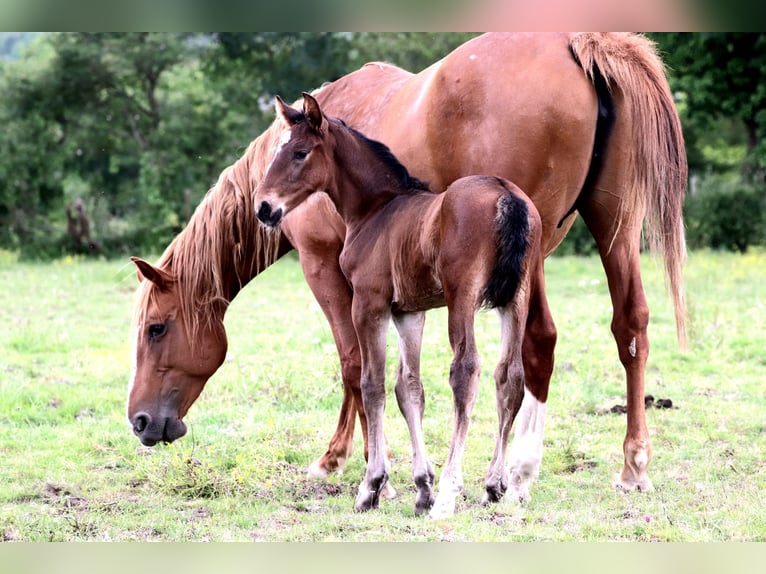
x=657, y=163
x=512, y=228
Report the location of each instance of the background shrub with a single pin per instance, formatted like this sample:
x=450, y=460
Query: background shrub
x=724, y=215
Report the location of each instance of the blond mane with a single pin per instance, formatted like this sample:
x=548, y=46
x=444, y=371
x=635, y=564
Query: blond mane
x=222, y=247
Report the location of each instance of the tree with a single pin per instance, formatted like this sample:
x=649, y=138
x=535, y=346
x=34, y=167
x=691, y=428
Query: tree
x=721, y=75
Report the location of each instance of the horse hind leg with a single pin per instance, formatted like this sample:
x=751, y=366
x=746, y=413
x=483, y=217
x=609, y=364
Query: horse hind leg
x=539, y=342
x=464, y=380
x=509, y=391
x=620, y=258
x=411, y=400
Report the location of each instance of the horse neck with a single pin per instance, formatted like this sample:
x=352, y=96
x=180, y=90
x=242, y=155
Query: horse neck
x=223, y=247
x=362, y=184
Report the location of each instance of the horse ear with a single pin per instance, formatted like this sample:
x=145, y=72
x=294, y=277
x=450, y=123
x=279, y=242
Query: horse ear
x=162, y=279
x=290, y=115
x=312, y=112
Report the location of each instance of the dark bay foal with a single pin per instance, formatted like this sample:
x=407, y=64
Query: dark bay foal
x=408, y=250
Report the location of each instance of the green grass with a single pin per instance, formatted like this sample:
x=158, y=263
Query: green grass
x=70, y=469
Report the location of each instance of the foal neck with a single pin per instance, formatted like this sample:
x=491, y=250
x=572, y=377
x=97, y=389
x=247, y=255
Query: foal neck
x=367, y=176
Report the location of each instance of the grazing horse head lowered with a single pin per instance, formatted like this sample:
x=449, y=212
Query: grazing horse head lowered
x=179, y=339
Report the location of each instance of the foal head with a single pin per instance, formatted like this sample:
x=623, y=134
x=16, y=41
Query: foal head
x=301, y=164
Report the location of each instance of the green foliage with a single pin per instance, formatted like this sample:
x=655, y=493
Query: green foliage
x=725, y=215
x=718, y=75
x=139, y=125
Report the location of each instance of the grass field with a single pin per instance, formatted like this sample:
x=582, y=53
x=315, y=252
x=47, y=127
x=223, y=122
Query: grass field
x=70, y=469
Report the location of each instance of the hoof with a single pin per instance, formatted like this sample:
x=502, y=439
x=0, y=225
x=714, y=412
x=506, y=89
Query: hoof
x=441, y=511
x=316, y=471
x=518, y=494
x=494, y=493
x=424, y=502
x=366, y=501
x=642, y=484
x=388, y=492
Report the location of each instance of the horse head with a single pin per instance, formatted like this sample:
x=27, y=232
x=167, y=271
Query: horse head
x=175, y=353
x=297, y=168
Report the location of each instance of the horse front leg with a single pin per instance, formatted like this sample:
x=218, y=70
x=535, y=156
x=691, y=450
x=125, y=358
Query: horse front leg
x=411, y=400
x=371, y=326
x=464, y=380
x=332, y=292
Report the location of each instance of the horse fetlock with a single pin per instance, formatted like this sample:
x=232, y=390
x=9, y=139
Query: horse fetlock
x=370, y=490
x=326, y=465
x=495, y=488
x=424, y=499
x=449, y=489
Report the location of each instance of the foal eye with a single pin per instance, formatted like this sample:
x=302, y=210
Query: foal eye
x=300, y=155
x=157, y=330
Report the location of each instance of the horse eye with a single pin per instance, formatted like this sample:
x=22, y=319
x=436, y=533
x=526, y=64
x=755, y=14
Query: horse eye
x=300, y=155
x=157, y=330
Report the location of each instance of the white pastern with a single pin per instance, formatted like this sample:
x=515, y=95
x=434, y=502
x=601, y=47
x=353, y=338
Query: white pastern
x=444, y=505
x=527, y=448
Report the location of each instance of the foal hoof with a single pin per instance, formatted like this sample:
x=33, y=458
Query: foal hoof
x=493, y=494
x=424, y=502
x=366, y=502
x=368, y=498
x=316, y=471
x=388, y=492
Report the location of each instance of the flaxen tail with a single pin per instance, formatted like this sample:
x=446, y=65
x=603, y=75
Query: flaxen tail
x=512, y=227
x=657, y=162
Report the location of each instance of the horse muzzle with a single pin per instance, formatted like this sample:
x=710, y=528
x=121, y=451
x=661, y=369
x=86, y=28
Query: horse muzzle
x=150, y=430
x=269, y=217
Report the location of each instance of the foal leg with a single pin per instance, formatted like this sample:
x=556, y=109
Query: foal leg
x=371, y=325
x=538, y=348
x=509, y=390
x=464, y=380
x=411, y=400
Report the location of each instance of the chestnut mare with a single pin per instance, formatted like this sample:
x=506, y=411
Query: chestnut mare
x=408, y=250
x=583, y=123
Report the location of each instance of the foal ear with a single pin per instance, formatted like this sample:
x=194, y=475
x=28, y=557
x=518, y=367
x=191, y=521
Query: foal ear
x=312, y=112
x=290, y=115
x=162, y=279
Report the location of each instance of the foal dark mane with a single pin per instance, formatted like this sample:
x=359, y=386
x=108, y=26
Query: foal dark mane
x=389, y=160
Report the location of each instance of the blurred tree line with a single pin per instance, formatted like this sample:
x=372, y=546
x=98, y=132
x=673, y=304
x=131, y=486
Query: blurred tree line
x=133, y=128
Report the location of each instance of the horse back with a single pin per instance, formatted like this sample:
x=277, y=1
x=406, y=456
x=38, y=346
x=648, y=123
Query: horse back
x=512, y=105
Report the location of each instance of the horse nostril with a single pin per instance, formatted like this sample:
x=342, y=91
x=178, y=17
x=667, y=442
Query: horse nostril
x=140, y=422
x=264, y=211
